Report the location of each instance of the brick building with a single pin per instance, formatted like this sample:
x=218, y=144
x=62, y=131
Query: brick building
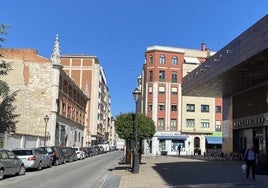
x=88, y=74
x=180, y=120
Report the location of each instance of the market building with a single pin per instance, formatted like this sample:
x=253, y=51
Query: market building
x=239, y=74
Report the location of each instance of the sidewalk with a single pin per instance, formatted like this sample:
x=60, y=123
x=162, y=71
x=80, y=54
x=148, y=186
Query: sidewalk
x=176, y=172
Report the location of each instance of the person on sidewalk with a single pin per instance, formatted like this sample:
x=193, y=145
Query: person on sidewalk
x=250, y=158
x=179, y=149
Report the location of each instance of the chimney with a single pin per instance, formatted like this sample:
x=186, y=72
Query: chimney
x=203, y=47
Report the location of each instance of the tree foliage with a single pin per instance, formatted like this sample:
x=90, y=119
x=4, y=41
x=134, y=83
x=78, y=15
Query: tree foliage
x=124, y=126
x=7, y=116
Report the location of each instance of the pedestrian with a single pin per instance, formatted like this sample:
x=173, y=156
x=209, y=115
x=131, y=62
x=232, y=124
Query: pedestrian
x=179, y=149
x=250, y=158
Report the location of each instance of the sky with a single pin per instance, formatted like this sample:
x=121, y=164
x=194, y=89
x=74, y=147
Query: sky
x=118, y=32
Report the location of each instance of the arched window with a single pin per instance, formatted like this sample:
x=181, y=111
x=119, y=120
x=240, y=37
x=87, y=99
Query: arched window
x=151, y=59
x=174, y=60
x=162, y=59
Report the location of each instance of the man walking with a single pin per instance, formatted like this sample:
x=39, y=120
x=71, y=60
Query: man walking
x=250, y=159
x=179, y=149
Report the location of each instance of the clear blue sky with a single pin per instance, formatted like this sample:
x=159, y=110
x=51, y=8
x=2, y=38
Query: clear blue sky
x=119, y=31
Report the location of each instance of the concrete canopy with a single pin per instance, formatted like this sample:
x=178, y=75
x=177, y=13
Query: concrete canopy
x=240, y=65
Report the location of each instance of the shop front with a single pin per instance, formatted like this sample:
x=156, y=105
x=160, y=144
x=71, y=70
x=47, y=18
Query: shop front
x=213, y=145
x=166, y=143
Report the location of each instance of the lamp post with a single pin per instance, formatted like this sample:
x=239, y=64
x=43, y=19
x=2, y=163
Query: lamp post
x=136, y=162
x=46, y=118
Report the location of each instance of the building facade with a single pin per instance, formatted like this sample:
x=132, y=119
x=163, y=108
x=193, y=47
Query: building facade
x=88, y=74
x=180, y=120
x=44, y=89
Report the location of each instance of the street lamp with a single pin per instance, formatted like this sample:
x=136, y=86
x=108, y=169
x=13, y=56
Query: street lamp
x=137, y=95
x=46, y=118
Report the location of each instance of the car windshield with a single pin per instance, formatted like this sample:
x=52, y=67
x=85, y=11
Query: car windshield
x=23, y=152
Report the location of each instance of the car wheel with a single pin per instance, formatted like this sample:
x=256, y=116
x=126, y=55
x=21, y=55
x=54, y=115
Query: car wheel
x=50, y=164
x=22, y=170
x=1, y=173
x=40, y=166
x=56, y=162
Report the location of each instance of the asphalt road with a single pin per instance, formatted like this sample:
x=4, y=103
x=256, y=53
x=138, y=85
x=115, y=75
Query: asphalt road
x=87, y=173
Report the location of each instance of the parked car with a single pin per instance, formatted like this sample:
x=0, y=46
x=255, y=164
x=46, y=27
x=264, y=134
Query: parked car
x=34, y=158
x=80, y=154
x=56, y=154
x=106, y=147
x=69, y=153
x=92, y=150
x=10, y=164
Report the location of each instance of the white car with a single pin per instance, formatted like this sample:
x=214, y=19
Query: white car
x=80, y=154
x=34, y=158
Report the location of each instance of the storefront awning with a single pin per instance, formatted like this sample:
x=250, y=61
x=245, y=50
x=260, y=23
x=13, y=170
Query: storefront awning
x=214, y=140
x=191, y=60
x=181, y=137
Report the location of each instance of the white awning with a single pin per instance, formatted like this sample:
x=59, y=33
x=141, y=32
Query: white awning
x=174, y=89
x=191, y=60
x=162, y=89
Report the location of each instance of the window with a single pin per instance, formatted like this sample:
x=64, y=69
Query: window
x=174, y=91
x=190, y=123
x=150, y=107
x=174, y=60
x=204, y=108
x=150, y=90
x=160, y=125
x=161, y=107
x=151, y=59
x=173, y=107
x=218, y=126
x=173, y=124
x=162, y=76
x=218, y=109
x=150, y=76
x=174, y=78
x=161, y=90
x=190, y=107
x=162, y=59
x=204, y=124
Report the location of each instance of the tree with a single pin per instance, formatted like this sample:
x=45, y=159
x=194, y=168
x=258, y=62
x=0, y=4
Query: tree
x=7, y=116
x=4, y=67
x=124, y=126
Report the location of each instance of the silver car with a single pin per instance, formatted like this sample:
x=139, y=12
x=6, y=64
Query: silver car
x=10, y=164
x=34, y=158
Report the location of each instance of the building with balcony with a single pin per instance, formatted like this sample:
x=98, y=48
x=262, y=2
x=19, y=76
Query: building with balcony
x=88, y=74
x=179, y=120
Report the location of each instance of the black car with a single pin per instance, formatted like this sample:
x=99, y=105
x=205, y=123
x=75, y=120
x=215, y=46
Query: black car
x=70, y=154
x=56, y=154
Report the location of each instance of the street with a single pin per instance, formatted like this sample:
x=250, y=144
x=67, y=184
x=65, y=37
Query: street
x=88, y=173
